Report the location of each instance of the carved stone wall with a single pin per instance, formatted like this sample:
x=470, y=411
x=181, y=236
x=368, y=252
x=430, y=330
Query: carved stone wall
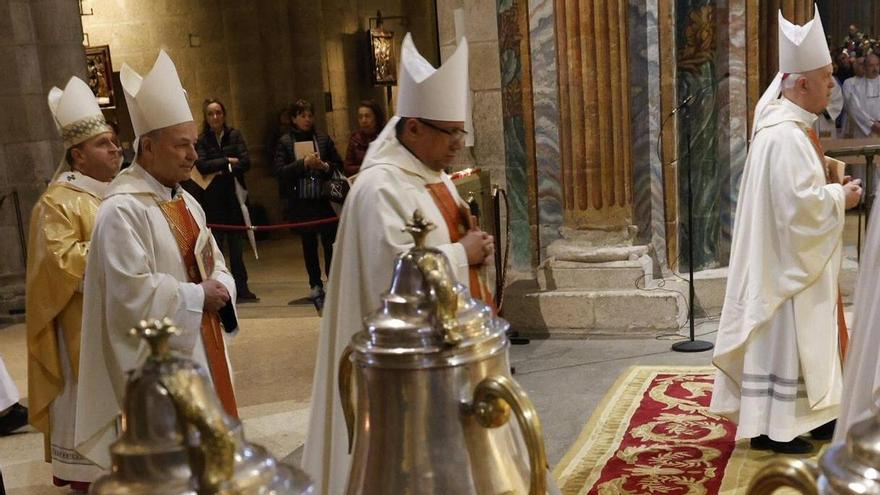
x=41, y=47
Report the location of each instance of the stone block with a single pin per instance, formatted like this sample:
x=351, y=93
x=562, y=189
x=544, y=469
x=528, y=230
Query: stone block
x=12, y=120
x=558, y=309
x=709, y=289
x=613, y=275
x=568, y=250
x=24, y=160
x=29, y=73
x=58, y=63
x=485, y=65
x=481, y=20
x=22, y=26
x=489, y=129
x=636, y=310
x=10, y=68
x=56, y=22
x=581, y=314
x=446, y=21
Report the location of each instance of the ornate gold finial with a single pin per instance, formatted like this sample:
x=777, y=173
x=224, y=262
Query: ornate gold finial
x=156, y=333
x=419, y=227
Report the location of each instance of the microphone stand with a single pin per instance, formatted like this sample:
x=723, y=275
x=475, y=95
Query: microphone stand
x=690, y=345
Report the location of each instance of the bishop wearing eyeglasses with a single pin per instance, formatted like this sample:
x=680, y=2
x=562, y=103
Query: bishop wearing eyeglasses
x=402, y=171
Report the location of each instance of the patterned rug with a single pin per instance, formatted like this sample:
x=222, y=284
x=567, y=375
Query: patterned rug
x=653, y=434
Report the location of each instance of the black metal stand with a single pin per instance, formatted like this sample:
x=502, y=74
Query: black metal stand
x=690, y=345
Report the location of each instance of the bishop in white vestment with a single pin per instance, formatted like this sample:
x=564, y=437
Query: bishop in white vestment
x=394, y=181
x=777, y=351
x=863, y=99
x=151, y=257
x=861, y=374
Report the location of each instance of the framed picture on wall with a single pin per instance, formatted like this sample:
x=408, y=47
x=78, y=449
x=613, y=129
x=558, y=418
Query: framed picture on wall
x=99, y=70
x=383, y=69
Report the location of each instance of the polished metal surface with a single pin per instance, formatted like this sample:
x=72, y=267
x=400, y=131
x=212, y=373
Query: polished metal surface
x=177, y=440
x=427, y=392
x=848, y=469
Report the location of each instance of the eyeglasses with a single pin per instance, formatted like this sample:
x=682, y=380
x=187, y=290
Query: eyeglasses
x=456, y=134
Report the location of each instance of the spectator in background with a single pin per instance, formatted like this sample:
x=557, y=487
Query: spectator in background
x=276, y=130
x=223, y=161
x=304, y=163
x=371, y=119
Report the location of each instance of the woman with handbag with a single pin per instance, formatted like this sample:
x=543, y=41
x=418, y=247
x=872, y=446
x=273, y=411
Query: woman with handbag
x=219, y=182
x=306, y=161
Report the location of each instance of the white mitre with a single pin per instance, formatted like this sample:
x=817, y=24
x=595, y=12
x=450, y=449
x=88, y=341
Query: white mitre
x=157, y=100
x=801, y=49
x=429, y=93
x=425, y=92
x=76, y=112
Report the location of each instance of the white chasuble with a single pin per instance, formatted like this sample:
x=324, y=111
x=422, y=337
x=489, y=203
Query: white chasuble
x=861, y=387
x=777, y=350
x=389, y=188
x=134, y=272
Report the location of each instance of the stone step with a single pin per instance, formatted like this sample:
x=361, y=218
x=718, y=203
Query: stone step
x=567, y=250
x=576, y=313
x=609, y=275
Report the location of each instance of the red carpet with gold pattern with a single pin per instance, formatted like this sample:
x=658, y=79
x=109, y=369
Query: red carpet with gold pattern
x=652, y=433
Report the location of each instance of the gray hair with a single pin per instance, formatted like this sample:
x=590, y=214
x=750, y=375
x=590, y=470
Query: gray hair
x=791, y=80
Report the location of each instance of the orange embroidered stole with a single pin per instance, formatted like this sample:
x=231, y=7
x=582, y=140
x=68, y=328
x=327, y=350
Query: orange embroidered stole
x=458, y=222
x=842, y=333
x=186, y=232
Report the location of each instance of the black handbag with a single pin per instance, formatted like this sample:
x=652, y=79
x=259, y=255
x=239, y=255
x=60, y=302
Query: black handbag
x=338, y=187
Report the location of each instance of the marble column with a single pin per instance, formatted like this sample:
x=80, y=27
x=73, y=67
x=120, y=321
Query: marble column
x=595, y=136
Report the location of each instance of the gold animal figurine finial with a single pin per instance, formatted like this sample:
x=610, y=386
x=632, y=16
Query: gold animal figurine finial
x=156, y=333
x=419, y=227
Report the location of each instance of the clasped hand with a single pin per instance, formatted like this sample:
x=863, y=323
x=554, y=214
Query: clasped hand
x=313, y=161
x=216, y=296
x=478, y=245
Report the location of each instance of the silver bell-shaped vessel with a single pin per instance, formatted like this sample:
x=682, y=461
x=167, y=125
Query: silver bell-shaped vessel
x=176, y=438
x=427, y=393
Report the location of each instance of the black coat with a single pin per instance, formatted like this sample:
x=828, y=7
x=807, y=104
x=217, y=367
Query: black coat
x=218, y=200
x=288, y=169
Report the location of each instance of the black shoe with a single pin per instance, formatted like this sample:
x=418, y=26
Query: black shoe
x=16, y=418
x=824, y=432
x=247, y=297
x=796, y=446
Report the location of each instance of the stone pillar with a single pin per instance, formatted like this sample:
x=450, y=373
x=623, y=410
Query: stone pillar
x=595, y=137
x=42, y=47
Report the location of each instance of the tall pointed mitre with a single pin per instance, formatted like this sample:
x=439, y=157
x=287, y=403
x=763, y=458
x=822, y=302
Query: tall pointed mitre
x=801, y=49
x=76, y=112
x=429, y=93
x=425, y=92
x=157, y=100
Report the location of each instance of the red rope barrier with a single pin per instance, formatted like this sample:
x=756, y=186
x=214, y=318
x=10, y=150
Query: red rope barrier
x=279, y=226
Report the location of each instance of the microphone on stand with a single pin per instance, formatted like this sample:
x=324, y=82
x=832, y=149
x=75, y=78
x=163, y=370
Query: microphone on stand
x=693, y=96
x=692, y=345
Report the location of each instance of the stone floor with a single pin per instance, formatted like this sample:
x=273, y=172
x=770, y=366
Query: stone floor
x=274, y=353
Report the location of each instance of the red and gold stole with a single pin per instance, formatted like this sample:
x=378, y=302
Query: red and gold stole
x=186, y=232
x=842, y=333
x=458, y=222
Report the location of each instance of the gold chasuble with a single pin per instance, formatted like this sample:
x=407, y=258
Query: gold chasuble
x=459, y=221
x=186, y=233
x=58, y=243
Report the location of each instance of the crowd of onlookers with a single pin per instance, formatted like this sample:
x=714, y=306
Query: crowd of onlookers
x=855, y=107
x=303, y=159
